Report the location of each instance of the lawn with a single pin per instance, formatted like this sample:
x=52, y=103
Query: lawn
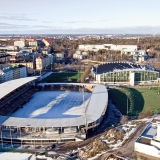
x=138, y=99
x=63, y=77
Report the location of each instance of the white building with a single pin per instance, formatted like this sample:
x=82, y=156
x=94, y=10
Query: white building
x=8, y=48
x=107, y=47
x=13, y=72
x=6, y=75
x=20, y=44
x=59, y=56
x=148, y=143
x=91, y=47
x=43, y=62
x=78, y=55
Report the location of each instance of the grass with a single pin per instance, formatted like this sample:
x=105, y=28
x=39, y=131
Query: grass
x=63, y=77
x=138, y=100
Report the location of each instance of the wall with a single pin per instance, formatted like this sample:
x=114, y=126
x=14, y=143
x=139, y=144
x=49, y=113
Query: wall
x=146, y=149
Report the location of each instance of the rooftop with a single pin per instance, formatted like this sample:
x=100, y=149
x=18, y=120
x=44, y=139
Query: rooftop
x=98, y=98
x=7, y=87
x=110, y=67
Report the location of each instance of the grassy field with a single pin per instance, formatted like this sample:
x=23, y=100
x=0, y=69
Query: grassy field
x=138, y=99
x=63, y=77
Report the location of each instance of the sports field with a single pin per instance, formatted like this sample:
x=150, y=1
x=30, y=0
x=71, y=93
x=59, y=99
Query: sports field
x=63, y=77
x=54, y=104
x=138, y=99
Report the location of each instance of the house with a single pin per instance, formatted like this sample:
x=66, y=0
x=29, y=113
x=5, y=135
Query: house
x=148, y=143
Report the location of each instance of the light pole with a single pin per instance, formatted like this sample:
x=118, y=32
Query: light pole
x=127, y=94
x=82, y=92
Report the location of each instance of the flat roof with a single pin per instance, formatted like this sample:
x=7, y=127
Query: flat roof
x=9, y=86
x=150, y=131
x=94, y=110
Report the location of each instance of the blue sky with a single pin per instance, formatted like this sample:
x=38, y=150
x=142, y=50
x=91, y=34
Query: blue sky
x=80, y=16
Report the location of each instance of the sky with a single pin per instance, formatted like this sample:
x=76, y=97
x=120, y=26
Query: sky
x=79, y=16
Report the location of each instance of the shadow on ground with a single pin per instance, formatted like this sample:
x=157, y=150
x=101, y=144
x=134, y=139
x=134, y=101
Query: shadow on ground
x=130, y=97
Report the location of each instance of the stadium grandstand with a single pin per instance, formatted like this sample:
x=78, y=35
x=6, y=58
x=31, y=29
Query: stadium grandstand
x=14, y=93
x=124, y=73
x=35, y=113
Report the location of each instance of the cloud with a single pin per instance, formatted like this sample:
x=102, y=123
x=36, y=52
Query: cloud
x=16, y=17
x=74, y=22
x=43, y=29
x=8, y=27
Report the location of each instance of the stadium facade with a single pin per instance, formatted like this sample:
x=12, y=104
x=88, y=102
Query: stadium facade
x=124, y=73
x=43, y=131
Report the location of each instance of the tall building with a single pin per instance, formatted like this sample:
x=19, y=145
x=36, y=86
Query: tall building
x=43, y=61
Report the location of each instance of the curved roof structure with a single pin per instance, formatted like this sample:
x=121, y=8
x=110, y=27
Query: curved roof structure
x=9, y=86
x=97, y=104
x=110, y=67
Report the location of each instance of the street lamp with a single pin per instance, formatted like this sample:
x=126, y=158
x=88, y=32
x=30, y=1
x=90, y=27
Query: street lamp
x=82, y=92
x=127, y=94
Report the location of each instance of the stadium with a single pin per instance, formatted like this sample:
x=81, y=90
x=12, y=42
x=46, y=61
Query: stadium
x=125, y=73
x=34, y=113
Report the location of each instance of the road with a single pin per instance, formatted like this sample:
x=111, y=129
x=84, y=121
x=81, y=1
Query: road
x=128, y=149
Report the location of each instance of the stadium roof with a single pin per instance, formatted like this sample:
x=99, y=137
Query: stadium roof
x=110, y=67
x=9, y=86
x=96, y=106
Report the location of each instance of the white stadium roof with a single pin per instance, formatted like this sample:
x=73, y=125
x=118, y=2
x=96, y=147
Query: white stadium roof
x=97, y=104
x=7, y=87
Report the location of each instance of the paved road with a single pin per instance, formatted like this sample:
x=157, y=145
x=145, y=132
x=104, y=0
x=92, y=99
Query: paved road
x=128, y=149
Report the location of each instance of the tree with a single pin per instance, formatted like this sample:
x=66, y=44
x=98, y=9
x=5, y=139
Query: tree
x=86, y=72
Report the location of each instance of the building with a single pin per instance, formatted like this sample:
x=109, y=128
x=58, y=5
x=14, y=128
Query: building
x=138, y=55
x=30, y=66
x=43, y=62
x=148, y=143
x=49, y=130
x=4, y=57
x=48, y=42
x=8, y=48
x=91, y=47
x=33, y=43
x=6, y=75
x=124, y=73
x=20, y=44
x=59, y=56
x=107, y=47
x=13, y=72
x=78, y=55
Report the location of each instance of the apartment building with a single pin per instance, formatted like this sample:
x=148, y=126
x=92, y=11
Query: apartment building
x=43, y=62
x=6, y=75
x=33, y=43
x=4, y=57
x=48, y=42
x=20, y=44
x=13, y=72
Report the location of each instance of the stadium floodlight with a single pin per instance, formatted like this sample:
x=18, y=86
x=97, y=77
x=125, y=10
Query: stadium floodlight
x=82, y=90
x=127, y=94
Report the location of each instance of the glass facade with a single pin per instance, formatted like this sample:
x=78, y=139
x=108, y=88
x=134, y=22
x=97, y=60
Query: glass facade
x=145, y=76
x=124, y=76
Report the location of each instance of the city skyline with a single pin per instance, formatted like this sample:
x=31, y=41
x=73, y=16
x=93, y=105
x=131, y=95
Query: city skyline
x=79, y=17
